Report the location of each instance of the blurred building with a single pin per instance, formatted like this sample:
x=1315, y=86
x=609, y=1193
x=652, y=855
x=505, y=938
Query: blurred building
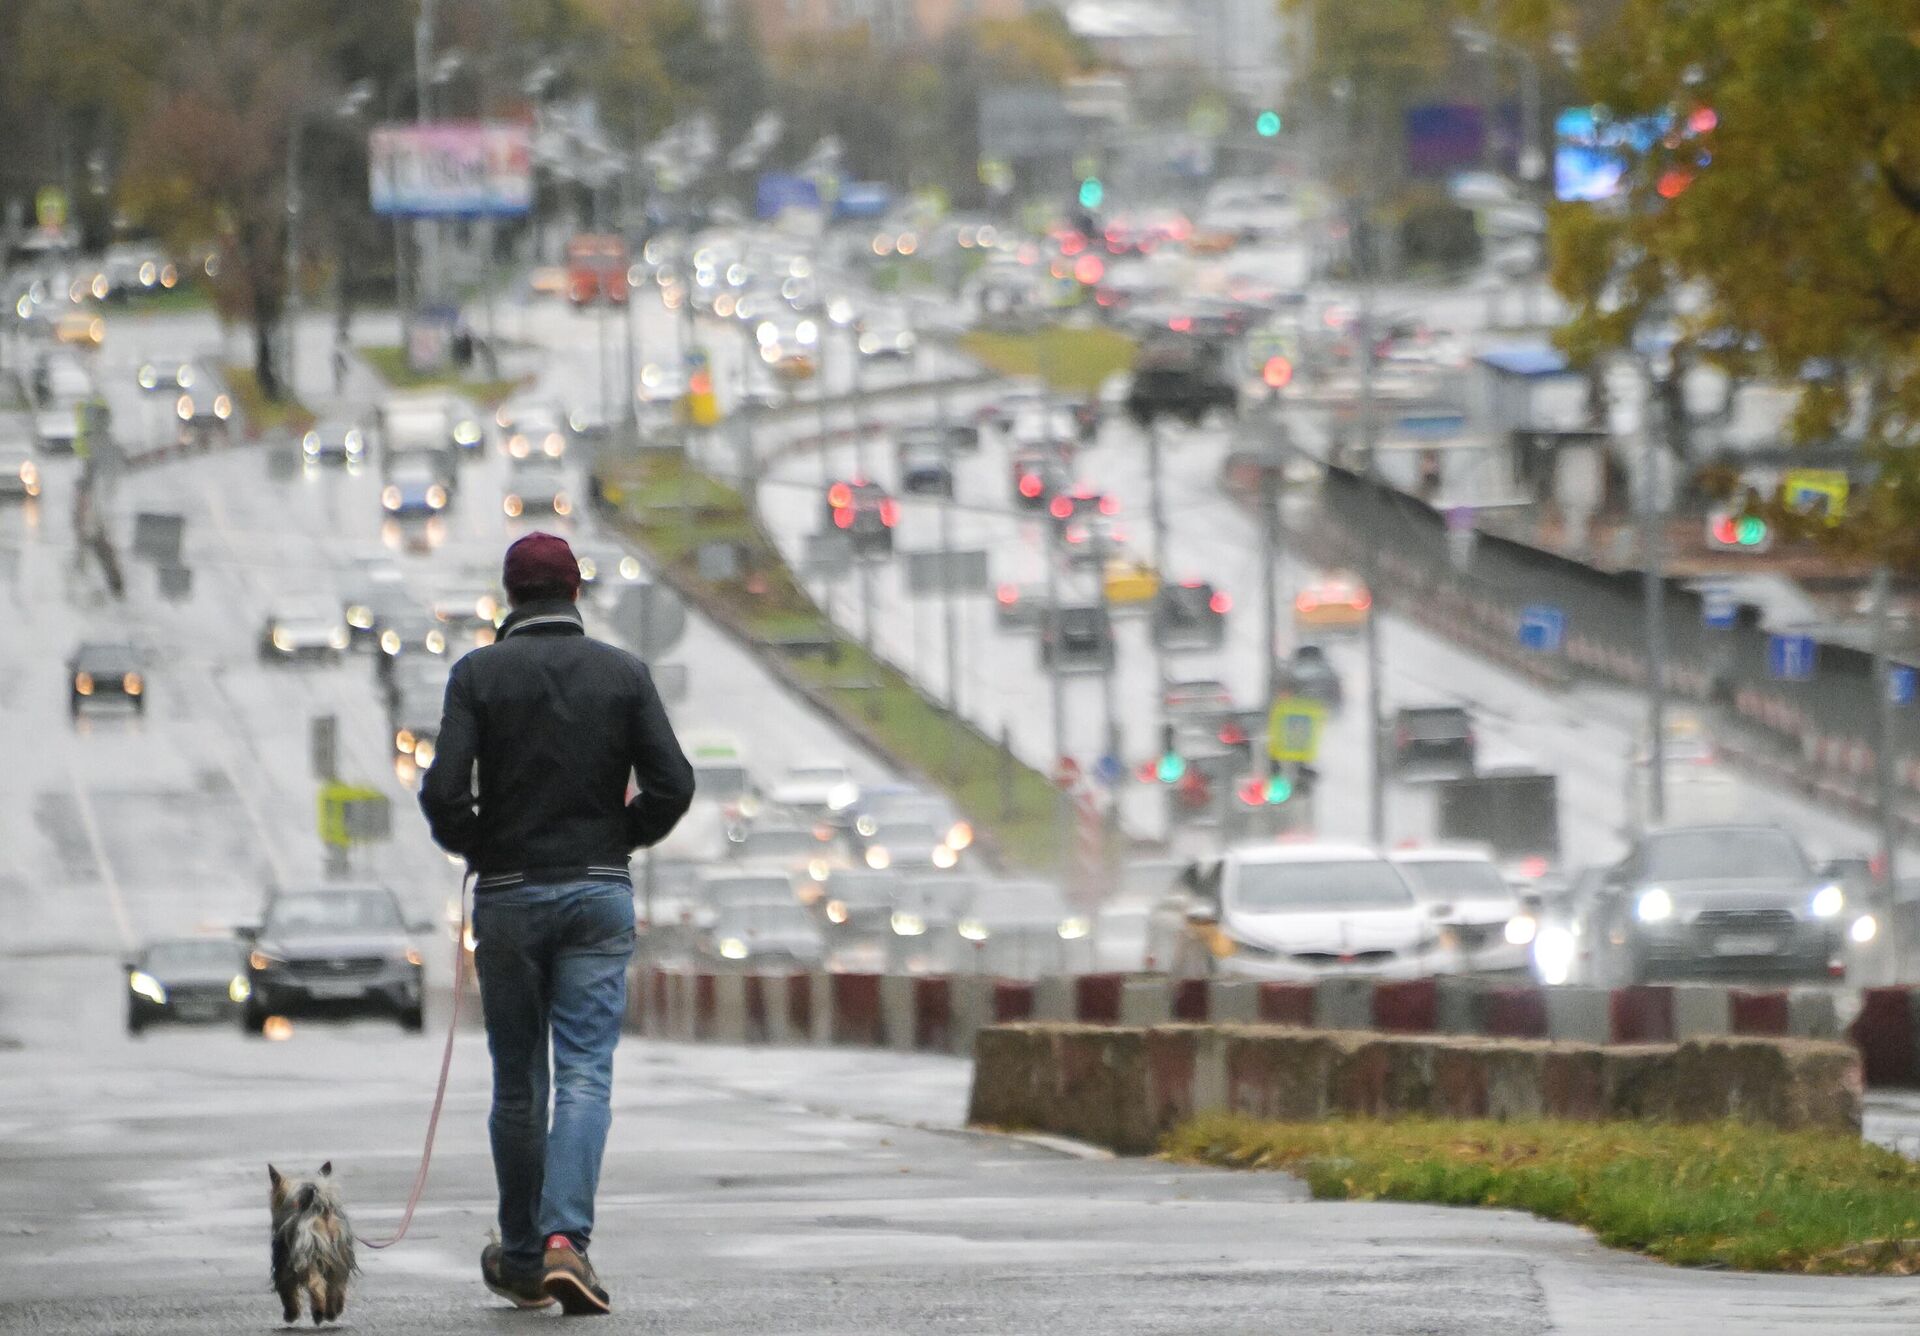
x=1234, y=44
x=897, y=21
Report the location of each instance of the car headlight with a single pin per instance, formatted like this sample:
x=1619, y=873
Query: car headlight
x=733, y=948
x=390, y=641
x=132, y=684
x=183, y=407
x=360, y=617
x=413, y=957
x=1654, y=905
x=338, y=637
x=436, y=643
x=866, y=825
x=1253, y=950
x=222, y=407
x=1864, y=929
x=561, y=505
x=589, y=569
x=1073, y=929
x=282, y=641
x=842, y=796
x=908, y=925
x=423, y=753
x=836, y=911
x=517, y=445
x=817, y=869
x=944, y=857
x=403, y=741
x=437, y=497
x=554, y=446
x=149, y=378
x=28, y=473
x=1828, y=901
x=390, y=497
x=629, y=568
x=878, y=858
x=310, y=444
x=1554, y=950
x=260, y=960
x=972, y=929
x=354, y=442
x=512, y=506
x=960, y=836
x=467, y=433
x=1521, y=929
x=238, y=989
x=83, y=684
x=147, y=986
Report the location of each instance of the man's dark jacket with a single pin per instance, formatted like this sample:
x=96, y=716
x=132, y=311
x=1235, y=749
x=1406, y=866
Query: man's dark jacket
x=556, y=722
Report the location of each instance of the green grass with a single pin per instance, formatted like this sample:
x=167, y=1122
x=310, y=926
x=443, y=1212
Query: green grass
x=180, y=297
x=389, y=362
x=1073, y=359
x=648, y=491
x=259, y=413
x=1722, y=1194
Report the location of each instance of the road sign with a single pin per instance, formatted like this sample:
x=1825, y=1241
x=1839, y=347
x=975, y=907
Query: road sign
x=1717, y=607
x=1461, y=536
x=1109, y=770
x=1900, y=683
x=947, y=572
x=1066, y=772
x=156, y=538
x=1543, y=628
x=1791, y=658
x=1820, y=492
x=50, y=208
x=323, y=747
x=650, y=618
x=353, y=814
x=1293, y=729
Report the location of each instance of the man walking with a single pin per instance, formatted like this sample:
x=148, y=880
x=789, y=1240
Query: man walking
x=542, y=732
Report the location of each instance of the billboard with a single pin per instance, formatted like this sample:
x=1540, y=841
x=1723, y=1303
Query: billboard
x=1592, y=151
x=451, y=169
x=1444, y=138
x=776, y=192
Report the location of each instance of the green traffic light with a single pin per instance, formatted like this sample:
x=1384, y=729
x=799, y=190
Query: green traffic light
x=1751, y=531
x=1091, y=193
x=1279, y=789
x=1267, y=124
x=1172, y=766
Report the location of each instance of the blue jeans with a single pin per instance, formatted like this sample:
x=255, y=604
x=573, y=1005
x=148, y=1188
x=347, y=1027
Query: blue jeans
x=552, y=961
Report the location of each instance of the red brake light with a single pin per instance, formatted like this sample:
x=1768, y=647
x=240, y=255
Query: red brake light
x=1109, y=505
x=1232, y=735
x=843, y=517
x=1180, y=324
x=1254, y=792
x=839, y=495
x=1363, y=600
x=889, y=512
x=1535, y=866
x=1061, y=507
x=1007, y=594
x=1220, y=603
x=1306, y=603
x=1030, y=484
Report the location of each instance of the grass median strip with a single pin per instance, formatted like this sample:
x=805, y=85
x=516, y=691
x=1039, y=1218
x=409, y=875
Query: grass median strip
x=1077, y=360
x=1713, y=1195
x=259, y=413
x=673, y=510
x=389, y=362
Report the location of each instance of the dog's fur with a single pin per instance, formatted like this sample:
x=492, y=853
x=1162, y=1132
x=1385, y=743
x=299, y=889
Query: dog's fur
x=312, y=1244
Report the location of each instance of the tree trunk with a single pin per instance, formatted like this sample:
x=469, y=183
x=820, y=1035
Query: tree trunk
x=264, y=370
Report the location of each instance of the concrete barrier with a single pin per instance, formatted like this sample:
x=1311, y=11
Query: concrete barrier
x=1125, y=1087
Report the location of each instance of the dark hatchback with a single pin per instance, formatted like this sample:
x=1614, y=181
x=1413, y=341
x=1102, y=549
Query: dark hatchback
x=334, y=952
x=101, y=671
x=186, y=980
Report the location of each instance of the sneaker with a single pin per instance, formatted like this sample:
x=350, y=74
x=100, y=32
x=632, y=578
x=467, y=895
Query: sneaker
x=520, y=1291
x=570, y=1279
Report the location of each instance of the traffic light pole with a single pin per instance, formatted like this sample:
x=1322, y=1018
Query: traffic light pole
x=1883, y=752
x=1273, y=460
x=1158, y=515
x=1653, y=598
x=1369, y=441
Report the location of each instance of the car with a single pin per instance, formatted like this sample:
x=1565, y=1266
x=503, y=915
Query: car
x=926, y=467
x=166, y=375
x=205, y=405
x=862, y=510
x=429, y=422
x=418, y=675
x=471, y=610
x=806, y=853
x=883, y=807
x=532, y=427
x=416, y=486
x=1038, y=473
x=79, y=329
x=335, y=440
x=1433, y=737
x=1474, y=904
x=1337, y=601
x=716, y=892
x=926, y=909
x=815, y=789
x=785, y=938
x=1740, y=900
x=186, y=980
x=1182, y=377
x=1076, y=638
x=1190, y=615
x=406, y=631
x=608, y=569
x=856, y=901
x=19, y=474
x=375, y=589
x=537, y=483
x=1310, y=674
x=334, y=951
x=106, y=670
x=304, y=628
x=1296, y=911
x=1079, y=503
x=1197, y=698
x=883, y=337
x=413, y=718
x=1130, y=581
x=56, y=428
x=910, y=845
x=1022, y=929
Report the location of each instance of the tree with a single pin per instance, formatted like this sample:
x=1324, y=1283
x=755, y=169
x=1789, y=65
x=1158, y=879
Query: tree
x=1776, y=219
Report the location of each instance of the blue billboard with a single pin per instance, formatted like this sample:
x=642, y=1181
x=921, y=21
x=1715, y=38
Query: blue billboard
x=779, y=191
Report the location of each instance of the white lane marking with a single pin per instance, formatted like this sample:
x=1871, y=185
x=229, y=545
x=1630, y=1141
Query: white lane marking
x=90, y=824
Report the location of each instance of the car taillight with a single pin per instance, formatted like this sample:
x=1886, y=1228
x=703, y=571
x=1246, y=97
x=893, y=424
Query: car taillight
x=1007, y=595
x=839, y=496
x=1401, y=737
x=1030, y=484
x=1233, y=735
x=1306, y=603
x=1362, y=602
x=889, y=512
x=1109, y=505
x=1219, y=604
x=1061, y=508
x=843, y=517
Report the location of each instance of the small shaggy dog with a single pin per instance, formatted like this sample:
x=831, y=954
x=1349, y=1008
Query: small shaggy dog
x=312, y=1244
